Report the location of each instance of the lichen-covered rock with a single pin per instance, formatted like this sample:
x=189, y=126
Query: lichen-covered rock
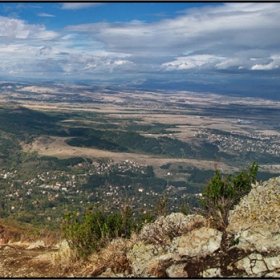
x=259, y=239
x=259, y=207
x=244, y=264
x=179, y=246
x=197, y=243
x=272, y=275
x=255, y=221
x=177, y=271
x=254, y=265
x=141, y=255
x=153, y=254
x=169, y=259
x=212, y=273
x=165, y=228
x=272, y=262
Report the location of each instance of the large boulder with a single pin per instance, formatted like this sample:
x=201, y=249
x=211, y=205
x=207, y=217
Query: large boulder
x=255, y=221
x=165, y=228
x=141, y=255
x=255, y=225
x=164, y=245
x=197, y=243
x=180, y=246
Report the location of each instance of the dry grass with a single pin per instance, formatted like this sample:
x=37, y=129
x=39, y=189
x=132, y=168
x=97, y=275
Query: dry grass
x=65, y=258
x=15, y=232
x=113, y=256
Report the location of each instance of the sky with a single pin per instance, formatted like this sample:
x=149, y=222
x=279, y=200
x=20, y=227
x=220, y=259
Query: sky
x=231, y=48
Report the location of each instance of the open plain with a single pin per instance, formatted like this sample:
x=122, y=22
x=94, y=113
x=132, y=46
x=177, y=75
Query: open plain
x=186, y=115
x=64, y=146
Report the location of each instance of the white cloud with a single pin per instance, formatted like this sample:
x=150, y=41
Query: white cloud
x=45, y=15
x=190, y=62
x=219, y=33
x=273, y=64
x=46, y=35
x=15, y=29
x=76, y=6
x=231, y=36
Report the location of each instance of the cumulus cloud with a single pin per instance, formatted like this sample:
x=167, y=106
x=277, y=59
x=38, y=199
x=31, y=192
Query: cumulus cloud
x=195, y=61
x=272, y=64
x=15, y=29
x=215, y=36
x=233, y=36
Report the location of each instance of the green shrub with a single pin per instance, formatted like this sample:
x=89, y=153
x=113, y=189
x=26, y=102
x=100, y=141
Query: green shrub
x=221, y=194
x=94, y=230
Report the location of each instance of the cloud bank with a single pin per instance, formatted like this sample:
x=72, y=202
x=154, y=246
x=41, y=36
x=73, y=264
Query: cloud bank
x=232, y=38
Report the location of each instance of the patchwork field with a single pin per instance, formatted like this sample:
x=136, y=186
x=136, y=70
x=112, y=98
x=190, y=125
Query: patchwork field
x=185, y=115
x=63, y=147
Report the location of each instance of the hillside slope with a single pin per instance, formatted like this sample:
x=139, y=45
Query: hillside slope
x=173, y=246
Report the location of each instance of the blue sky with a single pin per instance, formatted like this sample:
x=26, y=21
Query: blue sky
x=203, y=46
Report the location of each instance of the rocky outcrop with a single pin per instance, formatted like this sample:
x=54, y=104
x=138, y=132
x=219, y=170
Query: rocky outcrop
x=255, y=221
x=184, y=246
x=165, y=228
x=175, y=246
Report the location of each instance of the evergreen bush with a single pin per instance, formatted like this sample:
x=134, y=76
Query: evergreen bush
x=96, y=228
x=220, y=194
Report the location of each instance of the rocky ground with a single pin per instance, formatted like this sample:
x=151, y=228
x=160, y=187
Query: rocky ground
x=186, y=246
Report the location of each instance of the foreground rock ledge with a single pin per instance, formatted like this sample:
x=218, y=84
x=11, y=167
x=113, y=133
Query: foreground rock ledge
x=184, y=246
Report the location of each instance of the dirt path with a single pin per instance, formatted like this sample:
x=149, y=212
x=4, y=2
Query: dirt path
x=18, y=262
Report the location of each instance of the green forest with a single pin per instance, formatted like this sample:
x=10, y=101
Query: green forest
x=39, y=189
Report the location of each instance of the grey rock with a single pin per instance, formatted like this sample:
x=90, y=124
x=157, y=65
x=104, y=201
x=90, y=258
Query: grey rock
x=259, y=267
x=166, y=228
x=177, y=270
x=178, y=245
x=272, y=262
x=212, y=272
x=141, y=255
x=197, y=243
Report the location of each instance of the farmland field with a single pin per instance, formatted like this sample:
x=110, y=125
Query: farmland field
x=134, y=143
